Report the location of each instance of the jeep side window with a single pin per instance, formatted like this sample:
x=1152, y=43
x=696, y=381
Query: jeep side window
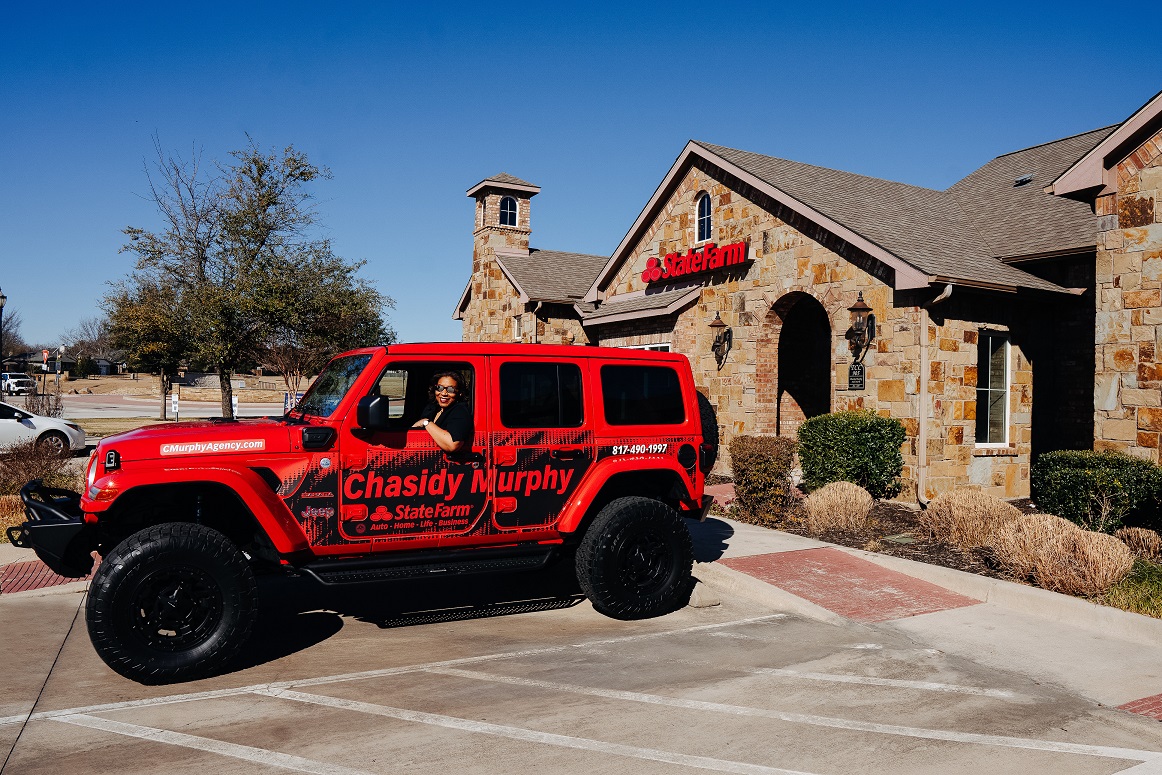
x=405, y=385
x=540, y=395
x=641, y=395
x=324, y=395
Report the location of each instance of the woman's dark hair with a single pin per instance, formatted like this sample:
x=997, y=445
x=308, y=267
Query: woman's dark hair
x=461, y=392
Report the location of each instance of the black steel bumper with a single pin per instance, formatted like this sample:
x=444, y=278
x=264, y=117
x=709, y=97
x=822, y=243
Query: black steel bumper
x=55, y=529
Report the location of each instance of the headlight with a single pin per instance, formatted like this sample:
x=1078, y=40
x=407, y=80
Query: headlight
x=74, y=426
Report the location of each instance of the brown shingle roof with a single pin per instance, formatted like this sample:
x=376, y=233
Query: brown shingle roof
x=924, y=227
x=645, y=305
x=1022, y=220
x=504, y=177
x=553, y=275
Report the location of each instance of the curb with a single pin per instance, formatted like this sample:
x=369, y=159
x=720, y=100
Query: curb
x=727, y=581
x=73, y=587
x=1053, y=606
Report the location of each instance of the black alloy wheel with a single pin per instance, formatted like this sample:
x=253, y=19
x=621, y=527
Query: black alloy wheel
x=635, y=559
x=171, y=602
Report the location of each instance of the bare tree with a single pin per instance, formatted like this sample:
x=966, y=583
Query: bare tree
x=90, y=338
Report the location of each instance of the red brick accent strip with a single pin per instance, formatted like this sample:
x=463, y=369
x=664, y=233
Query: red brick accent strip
x=23, y=576
x=1150, y=707
x=849, y=586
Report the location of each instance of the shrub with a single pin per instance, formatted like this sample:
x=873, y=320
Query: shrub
x=22, y=462
x=1097, y=490
x=1140, y=592
x=45, y=404
x=1057, y=555
x=967, y=518
x=838, y=506
x=11, y=514
x=859, y=447
x=761, y=467
x=1145, y=544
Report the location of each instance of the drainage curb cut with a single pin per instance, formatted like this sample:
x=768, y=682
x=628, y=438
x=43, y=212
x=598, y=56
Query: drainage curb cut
x=1101, y=619
x=727, y=581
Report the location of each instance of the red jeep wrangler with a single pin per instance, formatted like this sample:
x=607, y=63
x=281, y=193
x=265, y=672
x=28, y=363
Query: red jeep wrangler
x=589, y=453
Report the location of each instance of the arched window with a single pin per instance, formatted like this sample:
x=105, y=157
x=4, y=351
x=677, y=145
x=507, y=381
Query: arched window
x=705, y=225
x=507, y=211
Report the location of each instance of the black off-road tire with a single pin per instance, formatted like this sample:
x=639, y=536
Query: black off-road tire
x=635, y=559
x=170, y=603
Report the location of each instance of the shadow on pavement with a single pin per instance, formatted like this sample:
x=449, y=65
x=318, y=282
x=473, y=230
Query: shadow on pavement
x=298, y=613
x=711, y=538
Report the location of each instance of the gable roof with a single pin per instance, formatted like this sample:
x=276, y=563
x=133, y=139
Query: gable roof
x=1093, y=173
x=924, y=235
x=639, y=305
x=551, y=275
x=1022, y=219
x=505, y=181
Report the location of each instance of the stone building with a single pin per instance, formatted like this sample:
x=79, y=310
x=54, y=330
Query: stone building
x=985, y=295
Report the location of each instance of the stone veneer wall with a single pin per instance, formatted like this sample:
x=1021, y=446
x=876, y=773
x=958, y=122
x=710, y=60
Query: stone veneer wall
x=494, y=301
x=1127, y=398
x=792, y=257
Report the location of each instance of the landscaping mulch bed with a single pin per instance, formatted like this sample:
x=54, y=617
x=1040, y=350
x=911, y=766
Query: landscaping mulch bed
x=896, y=530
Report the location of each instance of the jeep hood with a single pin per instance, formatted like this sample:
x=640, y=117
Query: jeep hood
x=187, y=440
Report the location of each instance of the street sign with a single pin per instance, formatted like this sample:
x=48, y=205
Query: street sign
x=855, y=377
x=173, y=403
x=234, y=404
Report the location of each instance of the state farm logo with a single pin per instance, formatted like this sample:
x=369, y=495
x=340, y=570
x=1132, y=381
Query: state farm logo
x=673, y=266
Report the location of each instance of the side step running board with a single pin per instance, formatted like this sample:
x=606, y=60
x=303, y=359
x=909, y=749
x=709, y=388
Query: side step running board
x=414, y=565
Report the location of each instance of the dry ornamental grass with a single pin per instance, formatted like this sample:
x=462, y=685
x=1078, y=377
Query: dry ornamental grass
x=1144, y=543
x=11, y=514
x=968, y=519
x=1057, y=555
x=837, y=506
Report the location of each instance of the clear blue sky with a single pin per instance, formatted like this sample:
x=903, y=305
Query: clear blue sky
x=411, y=104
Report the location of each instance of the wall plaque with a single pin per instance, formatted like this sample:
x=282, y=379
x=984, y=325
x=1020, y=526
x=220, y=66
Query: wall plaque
x=855, y=380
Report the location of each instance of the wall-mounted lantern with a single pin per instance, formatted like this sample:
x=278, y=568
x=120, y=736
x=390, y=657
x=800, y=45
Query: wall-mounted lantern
x=723, y=339
x=859, y=338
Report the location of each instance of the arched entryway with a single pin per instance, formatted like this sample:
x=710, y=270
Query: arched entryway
x=799, y=333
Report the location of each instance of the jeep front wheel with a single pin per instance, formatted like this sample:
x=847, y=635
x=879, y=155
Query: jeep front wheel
x=171, y=602
x=635, y=559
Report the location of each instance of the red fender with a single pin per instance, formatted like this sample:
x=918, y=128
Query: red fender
x=574, y=510
x=270, y=511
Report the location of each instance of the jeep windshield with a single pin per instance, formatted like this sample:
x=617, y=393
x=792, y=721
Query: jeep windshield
x=324, y=396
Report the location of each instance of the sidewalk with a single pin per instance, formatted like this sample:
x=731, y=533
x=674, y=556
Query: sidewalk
x=1106, y=655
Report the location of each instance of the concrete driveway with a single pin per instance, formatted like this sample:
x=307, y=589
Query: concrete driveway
x=517, y=674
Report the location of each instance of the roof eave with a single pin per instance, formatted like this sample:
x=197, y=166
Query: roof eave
x=1089, y=173
x=594, y=319
x=489, y=183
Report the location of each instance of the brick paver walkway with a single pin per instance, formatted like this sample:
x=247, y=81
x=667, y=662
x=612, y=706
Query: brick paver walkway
x=847, y=585
x=23, y=576
x=1150, y=707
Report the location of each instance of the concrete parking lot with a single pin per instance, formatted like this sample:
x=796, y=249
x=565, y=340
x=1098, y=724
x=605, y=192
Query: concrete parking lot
x=488, y=678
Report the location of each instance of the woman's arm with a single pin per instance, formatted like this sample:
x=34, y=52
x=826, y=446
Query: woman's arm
x=443, y=439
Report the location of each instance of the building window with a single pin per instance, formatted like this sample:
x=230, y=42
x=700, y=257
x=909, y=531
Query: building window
x=705, y=223
x=992, y=389
x=516, y=332
x=507, y=211
x=663, y=347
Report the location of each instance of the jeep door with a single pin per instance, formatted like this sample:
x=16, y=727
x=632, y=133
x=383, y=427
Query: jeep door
x=401, y=490
x=542, y=442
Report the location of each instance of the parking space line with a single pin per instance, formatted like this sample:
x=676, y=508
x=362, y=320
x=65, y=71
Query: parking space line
x=532, y=736
x=233, y=750
x=931, y=686
x=1054, y=746
x=365, y=674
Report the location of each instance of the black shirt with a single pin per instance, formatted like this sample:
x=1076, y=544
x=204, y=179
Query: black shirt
x=456, y=420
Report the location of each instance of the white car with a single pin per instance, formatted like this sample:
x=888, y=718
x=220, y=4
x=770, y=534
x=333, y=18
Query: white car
x=60, y=436
x=17, y=384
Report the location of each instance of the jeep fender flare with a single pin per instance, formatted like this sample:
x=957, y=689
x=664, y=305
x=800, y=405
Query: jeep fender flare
x=255, y=494
x=575, y=510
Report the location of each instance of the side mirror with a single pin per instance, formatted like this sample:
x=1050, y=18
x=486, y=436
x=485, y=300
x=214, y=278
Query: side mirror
x=372, y=413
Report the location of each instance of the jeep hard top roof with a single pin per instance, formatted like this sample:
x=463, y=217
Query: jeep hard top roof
x=453, y=349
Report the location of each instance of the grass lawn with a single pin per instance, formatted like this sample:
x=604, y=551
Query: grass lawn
x=107, y=426
x=1140, y=592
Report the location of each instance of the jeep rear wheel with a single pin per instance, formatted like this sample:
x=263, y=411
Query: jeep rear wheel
x=170, y=603
x=635, y=559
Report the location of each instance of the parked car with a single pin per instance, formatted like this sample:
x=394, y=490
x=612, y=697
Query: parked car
x=585, y=455
x=17, y=384
x=52, y=433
